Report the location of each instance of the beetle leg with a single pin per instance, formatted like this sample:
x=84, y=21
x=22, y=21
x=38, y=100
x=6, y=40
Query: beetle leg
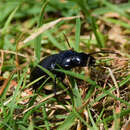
x=54, y=86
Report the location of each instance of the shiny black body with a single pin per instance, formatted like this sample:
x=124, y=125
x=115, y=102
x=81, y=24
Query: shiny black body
x=65, y=59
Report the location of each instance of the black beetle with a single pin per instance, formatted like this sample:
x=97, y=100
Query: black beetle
x=65, y=59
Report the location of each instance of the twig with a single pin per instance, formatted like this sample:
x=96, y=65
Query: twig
x=46, y=27
x=118, y=106
x=114, y=80
x=12, y=52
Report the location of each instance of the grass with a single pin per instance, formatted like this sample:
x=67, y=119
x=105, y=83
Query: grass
x=94, y=98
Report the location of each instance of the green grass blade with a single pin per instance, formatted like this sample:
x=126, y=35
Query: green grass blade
x=47, y=72
x=31, y=126
x=78, y=76
x=77, y=97
x=68, y=122
x=37, y=44
x=5, y=28
x=92, y=120
x=6, y=89
x=119, y=99
x=100, y=42
x=123, y=82
x=99, y=117
x=89, y=93
x=77, y=34
x=118, y=22
x=116, y=121
x=16, y=93
x=45, y=117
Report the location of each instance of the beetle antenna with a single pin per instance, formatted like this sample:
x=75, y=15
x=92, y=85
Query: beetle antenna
x=103, y=52
x=67, y=40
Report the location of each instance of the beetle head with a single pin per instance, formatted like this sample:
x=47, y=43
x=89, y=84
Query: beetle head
x=78, y=60
x=71, y=62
